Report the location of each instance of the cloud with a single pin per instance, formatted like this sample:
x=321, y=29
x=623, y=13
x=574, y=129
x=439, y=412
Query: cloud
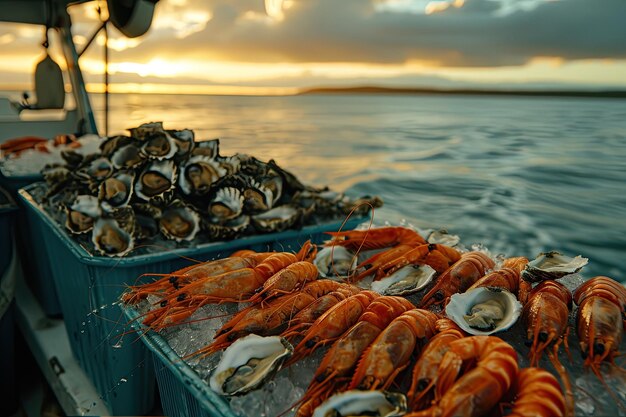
x=480, y=33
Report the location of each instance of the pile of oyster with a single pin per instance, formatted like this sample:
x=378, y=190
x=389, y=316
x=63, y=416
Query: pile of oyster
x=163, y=183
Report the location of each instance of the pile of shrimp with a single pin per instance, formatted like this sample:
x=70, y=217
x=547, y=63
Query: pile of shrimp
x=391, y=343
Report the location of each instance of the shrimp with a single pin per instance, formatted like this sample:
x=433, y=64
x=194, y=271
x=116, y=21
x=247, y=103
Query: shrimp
x=424, y=377
x=391, y=352
x=537, y=394
x=458, y=278
x=268, y=320
x=332, y=324
x=342, y=357
x=479, y=389
x=174, y=280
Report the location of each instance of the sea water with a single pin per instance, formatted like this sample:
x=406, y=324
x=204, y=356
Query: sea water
x=520, y=175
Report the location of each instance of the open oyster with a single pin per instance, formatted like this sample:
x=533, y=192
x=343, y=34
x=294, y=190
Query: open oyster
x=484, y=310
x=198, y=174
x=117, y=190
x=249, y=362
x=277, y=219
x=159, y=145
x=179, y=222
x=82, y=214
x=363, y=403
x=110, y=239
x=335, y=261
x=257, y=197
x=442, y=237
x=552, y=265
x=157, y=180
x=127, y=157
x=227, y=204
x=184, y=140
x=406, y=280
x=230, y=229
x=94, y=169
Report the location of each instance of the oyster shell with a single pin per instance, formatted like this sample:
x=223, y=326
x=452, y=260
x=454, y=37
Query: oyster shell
x=227, y=204
x=230, y=229
x=552, y=265
x=207, y=148
x=110, y=239
x=127, y=157
x=157, y=179
x=179, y=222
x=363, y=403
x=257, y=198
x=94, y=169
x=159, y=145
x=113, y=143
x=146, y=129
x=82, y=214
x=198, y=174
x=406, y=280
x=117, y=190
x=335, y=262
x=184, y=140
x=249, y=362
x=442, y=237
x=277, y=219
x=484, y=310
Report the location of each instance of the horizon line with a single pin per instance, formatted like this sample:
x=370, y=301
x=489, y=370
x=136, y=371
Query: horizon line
x=233, y=90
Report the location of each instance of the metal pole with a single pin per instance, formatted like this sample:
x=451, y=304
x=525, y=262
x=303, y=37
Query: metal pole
x=106, y=79
x=83, y=105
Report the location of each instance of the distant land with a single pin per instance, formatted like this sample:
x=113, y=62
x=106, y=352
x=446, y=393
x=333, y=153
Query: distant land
x=533, y=93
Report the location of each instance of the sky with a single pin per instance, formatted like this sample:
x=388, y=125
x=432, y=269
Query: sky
x=256, y=46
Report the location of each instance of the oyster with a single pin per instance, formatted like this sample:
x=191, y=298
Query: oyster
x=184, y=140
x=113, y=143
x=230, y=229
x=257, y=198
x=277, y=219
x=146, y=216
x=179, y=222
x=207, y=148
x=484, y=310
x=227, y=204
x=552, y=265
x=156, y=181
x=95, y=169
x=406, y=280
x=82, y=214
x=159, y=145
x=145, y=130
x=363, y=403
x=249, y=362
x=127, y=157
x=110, y=239
x=442, y=237
x=335, y=261
x=117, y=190
x=198, y=174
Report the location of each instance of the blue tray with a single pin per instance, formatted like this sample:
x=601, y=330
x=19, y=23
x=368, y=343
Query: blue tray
x=183, y=392
x=87, y=286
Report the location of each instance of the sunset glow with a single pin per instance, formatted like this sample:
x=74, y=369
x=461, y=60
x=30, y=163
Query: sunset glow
x=285, y=45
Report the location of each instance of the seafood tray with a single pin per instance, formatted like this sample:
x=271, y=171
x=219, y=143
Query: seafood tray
x=88, y=286
x=200, y=359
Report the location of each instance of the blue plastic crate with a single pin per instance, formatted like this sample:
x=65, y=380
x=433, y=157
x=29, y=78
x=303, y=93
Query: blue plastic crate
x=32, y=252
x=85, y=283
x=183, y=392
x=7, y=306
